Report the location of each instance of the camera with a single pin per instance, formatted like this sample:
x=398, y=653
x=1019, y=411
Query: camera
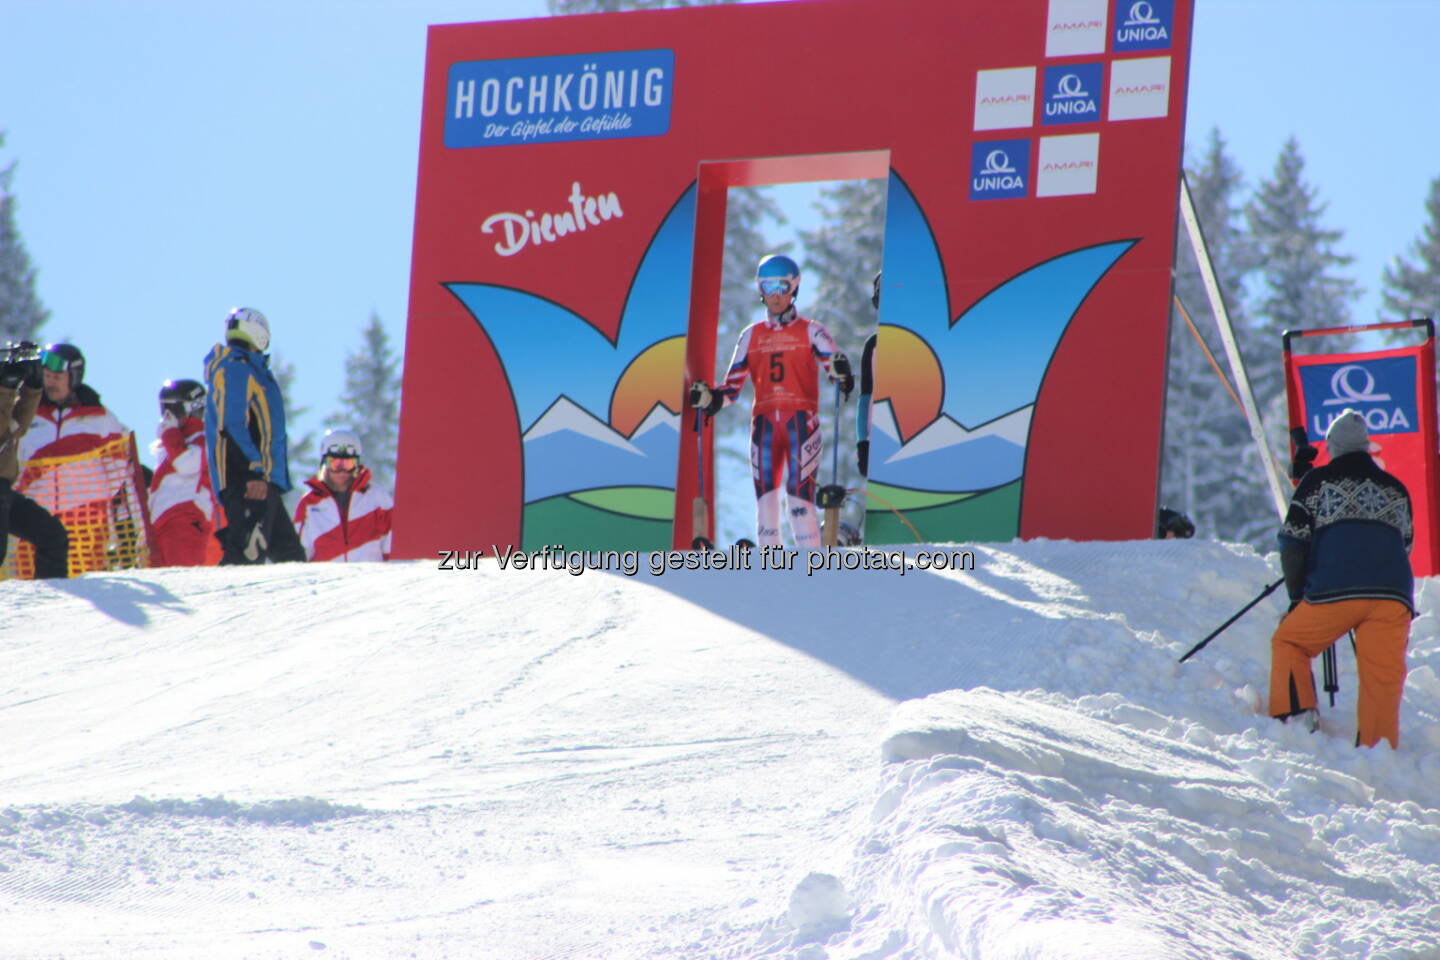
x=19, y=361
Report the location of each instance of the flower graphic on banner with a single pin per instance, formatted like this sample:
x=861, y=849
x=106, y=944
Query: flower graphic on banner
x=955, y=397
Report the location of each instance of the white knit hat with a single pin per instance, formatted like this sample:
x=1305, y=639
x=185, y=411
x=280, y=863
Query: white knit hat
x=1347, y=434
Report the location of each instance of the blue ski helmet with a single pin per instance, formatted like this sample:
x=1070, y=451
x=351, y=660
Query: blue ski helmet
x=775, y=267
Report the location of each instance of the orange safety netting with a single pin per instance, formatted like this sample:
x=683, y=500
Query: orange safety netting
x=100, y=497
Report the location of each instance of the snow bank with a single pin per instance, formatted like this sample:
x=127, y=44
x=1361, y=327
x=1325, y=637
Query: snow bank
x=997, y=763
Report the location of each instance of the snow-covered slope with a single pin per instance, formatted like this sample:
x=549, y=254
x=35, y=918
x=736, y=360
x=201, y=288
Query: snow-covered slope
x=402, y=761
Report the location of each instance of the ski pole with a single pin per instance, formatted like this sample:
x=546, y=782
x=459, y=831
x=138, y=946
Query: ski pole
x=1221, y=629
x=699, y=511
x=832, y=496
x=1327, y=664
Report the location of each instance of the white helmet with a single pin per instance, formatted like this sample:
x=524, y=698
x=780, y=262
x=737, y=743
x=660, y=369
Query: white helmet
x=340, y=443
x=248, y=326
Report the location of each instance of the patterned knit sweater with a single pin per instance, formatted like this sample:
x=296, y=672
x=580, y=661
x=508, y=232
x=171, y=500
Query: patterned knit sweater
x=1347, y=534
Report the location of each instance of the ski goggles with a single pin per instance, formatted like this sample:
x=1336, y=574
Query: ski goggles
x=53, y=362
x=344, y=464
x=770, y=285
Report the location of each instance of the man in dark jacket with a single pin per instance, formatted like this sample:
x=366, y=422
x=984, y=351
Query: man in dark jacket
x=1344, y=548
x=20, y=391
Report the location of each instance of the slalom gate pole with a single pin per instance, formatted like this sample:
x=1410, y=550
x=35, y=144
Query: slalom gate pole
x=1221, y=629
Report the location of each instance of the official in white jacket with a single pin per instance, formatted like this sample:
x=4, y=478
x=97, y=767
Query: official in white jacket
x=343, y=515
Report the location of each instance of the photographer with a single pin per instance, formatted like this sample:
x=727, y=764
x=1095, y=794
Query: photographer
x=21, y=384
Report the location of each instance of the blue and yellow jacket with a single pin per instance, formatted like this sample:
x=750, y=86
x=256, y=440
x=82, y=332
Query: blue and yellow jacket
x=244, y=418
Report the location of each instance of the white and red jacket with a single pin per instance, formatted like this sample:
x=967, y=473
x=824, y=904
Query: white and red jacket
x=75, y=428
x=359, y=531
x=181, y=485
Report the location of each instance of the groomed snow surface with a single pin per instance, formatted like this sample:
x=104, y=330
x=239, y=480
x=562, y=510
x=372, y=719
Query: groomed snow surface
x=400, y=761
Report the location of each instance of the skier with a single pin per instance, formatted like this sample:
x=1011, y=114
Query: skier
x=780, y=354
x=21, y=386
x=70, y=422
x=245, y=444
x=343, y=516
x=182, y=504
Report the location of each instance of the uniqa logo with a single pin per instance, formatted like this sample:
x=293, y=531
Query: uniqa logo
x=1142, y=14
x=522, y=229
x=996, y=162
x=1343, y=389
x=1070, y=86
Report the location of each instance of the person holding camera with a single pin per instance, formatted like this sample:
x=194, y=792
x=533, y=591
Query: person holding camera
x=1344, y=549
x=21, y=385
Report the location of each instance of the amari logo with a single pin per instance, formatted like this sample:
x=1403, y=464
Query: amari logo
x=1144, y=24
x=1072, y=93
x=999, y=169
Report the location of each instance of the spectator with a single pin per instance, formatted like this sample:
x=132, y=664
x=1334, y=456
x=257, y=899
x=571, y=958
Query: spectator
x=1344, y=550
x=245, y=444
x=182, y=505
x=69, y=422
x=343, y=516
x=21, y=386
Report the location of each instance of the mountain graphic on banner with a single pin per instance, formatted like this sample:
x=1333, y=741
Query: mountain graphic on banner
x=569, y=449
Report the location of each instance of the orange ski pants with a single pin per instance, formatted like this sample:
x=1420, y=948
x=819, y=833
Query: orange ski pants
x=1382, y=632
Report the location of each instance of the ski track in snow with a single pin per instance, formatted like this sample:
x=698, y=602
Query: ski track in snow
x=395, y=761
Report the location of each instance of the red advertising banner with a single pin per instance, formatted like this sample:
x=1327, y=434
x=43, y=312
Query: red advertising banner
x=569, y=238
x=1395, y=391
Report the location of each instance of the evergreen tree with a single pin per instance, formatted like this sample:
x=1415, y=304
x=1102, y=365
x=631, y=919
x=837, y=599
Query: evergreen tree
x=300, y=449
x=370, y=403
x=21, y=313
x=1205, y=472
x=842, y=257
x=1298, y=264
x=1412, y=288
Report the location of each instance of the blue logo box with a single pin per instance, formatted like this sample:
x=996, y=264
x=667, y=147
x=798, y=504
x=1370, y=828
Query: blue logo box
x=999, y=169
x=1072, y=93
x=1144, y=24
x=592, y=96
x=1381, y=389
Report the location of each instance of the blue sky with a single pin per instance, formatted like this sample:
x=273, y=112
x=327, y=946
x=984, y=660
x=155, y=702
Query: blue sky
x=180, y=158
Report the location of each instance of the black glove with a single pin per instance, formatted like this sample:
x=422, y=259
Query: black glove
x=862, y=457
x=12, y=375
x=843, y=377
x=1305, y=453
x=705, y=399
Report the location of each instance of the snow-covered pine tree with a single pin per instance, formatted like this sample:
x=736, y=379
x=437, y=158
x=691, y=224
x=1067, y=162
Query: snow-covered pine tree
x=370, y=403
x=841, y=259
x=1298, y=266
x=21, y=313
x=300, y=450
x=1412, y=286
x=1204, y=473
